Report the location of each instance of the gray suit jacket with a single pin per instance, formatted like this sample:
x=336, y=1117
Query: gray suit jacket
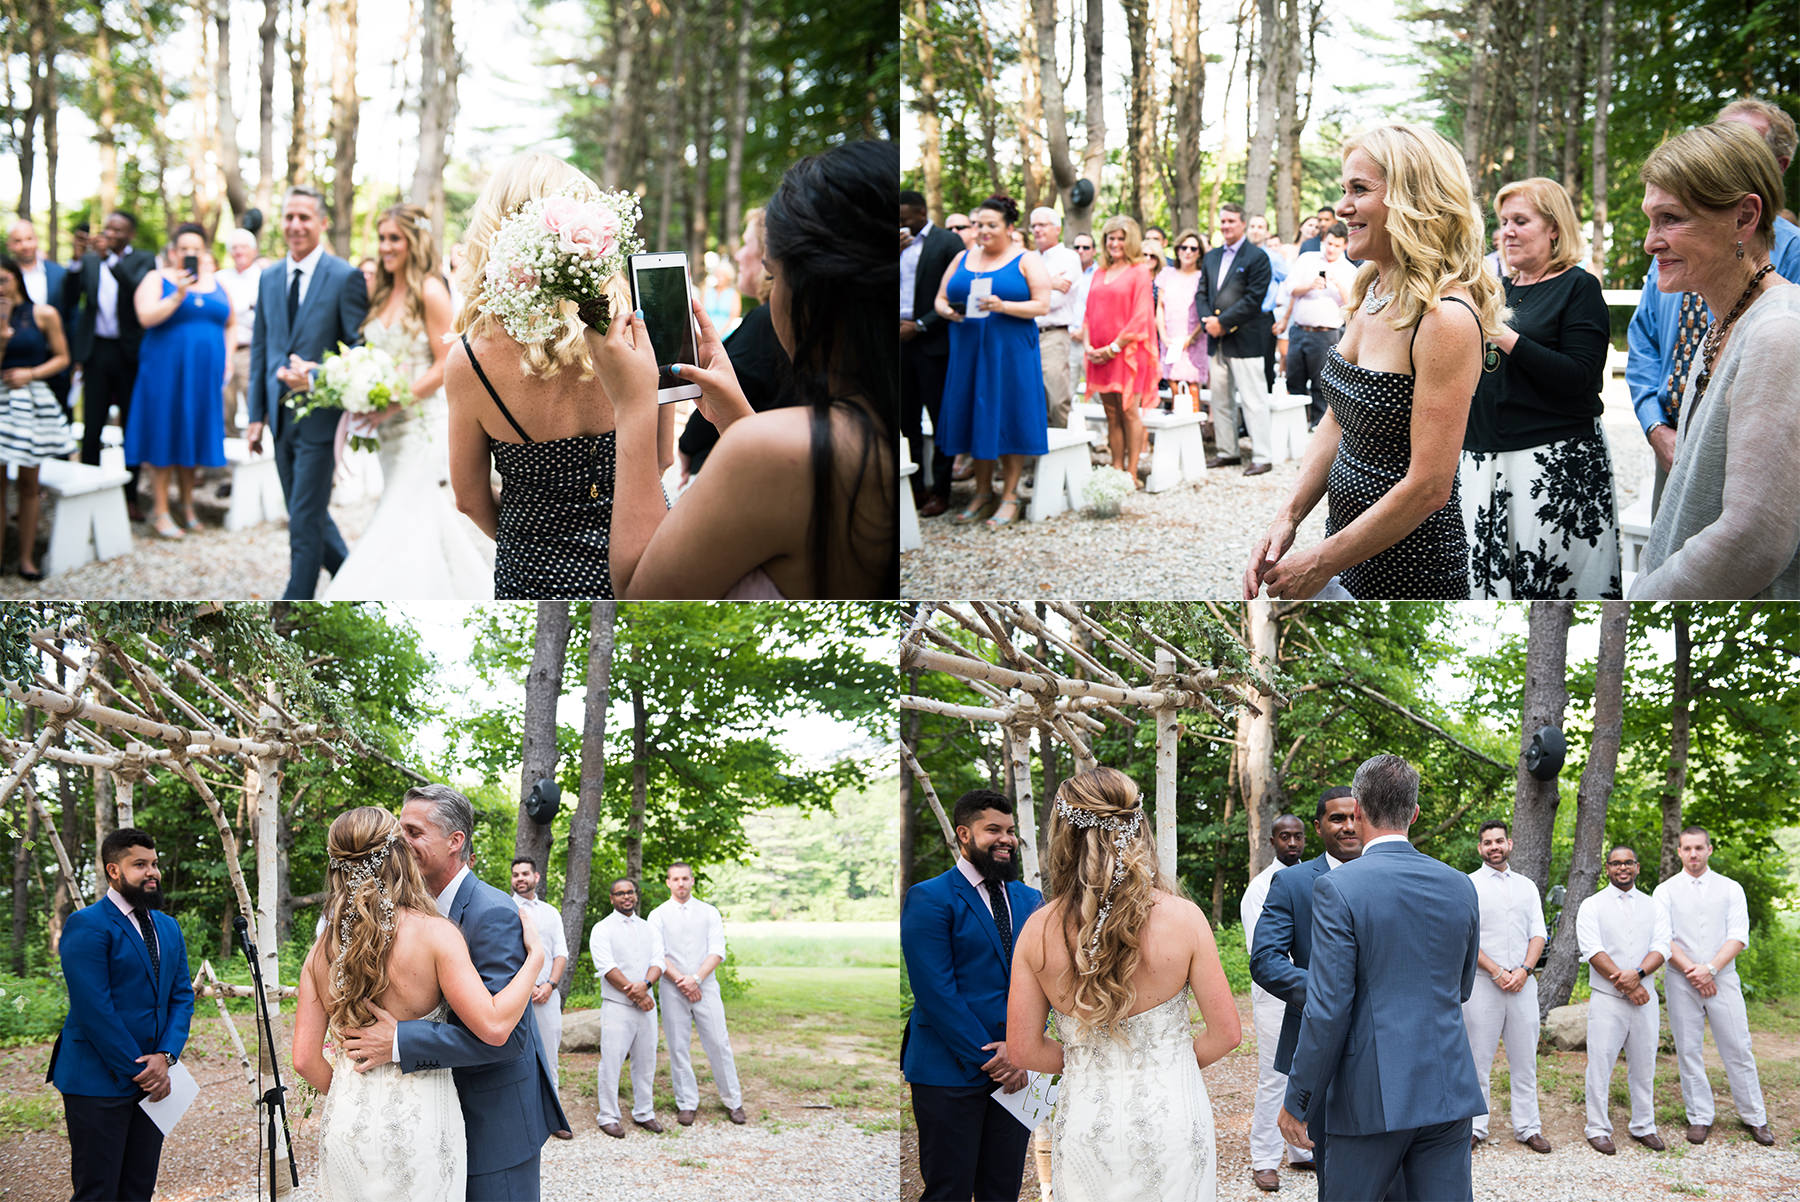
x=509, y=1105
x=332, y=312
x=1382, y=1044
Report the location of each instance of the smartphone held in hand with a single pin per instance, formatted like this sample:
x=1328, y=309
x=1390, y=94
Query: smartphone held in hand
x=191, y=265
x=661, y=289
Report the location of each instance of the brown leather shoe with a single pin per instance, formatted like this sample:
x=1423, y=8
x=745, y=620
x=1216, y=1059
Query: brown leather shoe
x=933, y=506
x=685, y=1117
x=1601, y=1144
x=736, y=1115
x=649, y=1124
x=1266, y=1180
x=1474, y=1142
x=1653, y=1141
x=563, y=1134
x=613, y=1129
x=1762, y=1135
x=1537, y=1143
x=1697, y=1132
x=1258, y=469
x=1223, y=461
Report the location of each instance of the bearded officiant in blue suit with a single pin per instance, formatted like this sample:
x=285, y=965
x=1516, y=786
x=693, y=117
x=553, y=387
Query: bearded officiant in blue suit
x=130, y=1004
x=1382, y=1064
x=957, y=932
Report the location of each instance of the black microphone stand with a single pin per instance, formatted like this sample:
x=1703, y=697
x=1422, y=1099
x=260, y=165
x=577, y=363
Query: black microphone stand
x=273, y=1100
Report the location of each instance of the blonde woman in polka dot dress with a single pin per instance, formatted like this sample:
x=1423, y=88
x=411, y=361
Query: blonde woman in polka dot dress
x=542, y=415
x=1399, y=385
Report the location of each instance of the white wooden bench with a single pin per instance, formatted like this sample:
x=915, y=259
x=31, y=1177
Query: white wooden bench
x=1178, y=452
x=1061, y=473
x=1634, y=534
x=89, y=521
x=1287, y=426
x=909, y=515
x=112, y=443
x=255, y=487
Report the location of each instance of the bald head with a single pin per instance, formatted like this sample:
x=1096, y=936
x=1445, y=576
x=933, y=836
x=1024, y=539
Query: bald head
x=22, y=243
x=1287, y=835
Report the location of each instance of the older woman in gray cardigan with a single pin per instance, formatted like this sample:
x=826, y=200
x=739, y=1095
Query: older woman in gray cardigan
x=1729, y=522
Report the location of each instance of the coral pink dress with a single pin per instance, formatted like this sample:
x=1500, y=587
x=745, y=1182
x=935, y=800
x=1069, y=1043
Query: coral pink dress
x=1123, y=305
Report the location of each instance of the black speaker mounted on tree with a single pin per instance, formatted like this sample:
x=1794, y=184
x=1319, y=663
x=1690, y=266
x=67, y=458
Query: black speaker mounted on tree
x=543, y=802
x=1544, y=758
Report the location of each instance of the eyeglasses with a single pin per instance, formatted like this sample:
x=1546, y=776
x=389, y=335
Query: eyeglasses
x=1620, y=863
x=1186, y=246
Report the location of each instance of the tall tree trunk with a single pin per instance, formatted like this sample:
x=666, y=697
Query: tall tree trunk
x=910, y=721
x=202, y=184
x=543, y=689
x=1481, y=19
x=105, y=819
x=106, y=118
x=704, y=117
x=266, y=34
x=38, y=73
x=346, y=114
x=237, y=192
x=1262, y=142
x=1287, y=156
x=1140, y=150
x=299, y=135
x=585, y=821
x=1546, y=696
x=622, y=115
x=1590, y=803
x=1603, y=69
x=21, y=873
x=1189, y=88
x=439, y=68
x=733, y=215
x=640, y=786
x=63, y=898
x=1535, y=121
x=1093, y=155
x=1680, y=717
x=674, y=96
x=1056, y=118
x=988, y=103
x=52, y=144
x=1257, y=736
x=1574, y=99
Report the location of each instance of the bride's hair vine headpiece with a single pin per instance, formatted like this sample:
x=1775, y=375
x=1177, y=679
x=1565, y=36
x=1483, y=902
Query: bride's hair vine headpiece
x=357, y=869
x=1123, y=828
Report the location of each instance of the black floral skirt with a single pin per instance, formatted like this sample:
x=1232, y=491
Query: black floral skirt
x=1542, y=523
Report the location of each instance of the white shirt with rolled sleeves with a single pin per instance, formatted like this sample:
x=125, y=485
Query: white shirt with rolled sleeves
x=1062, y=263
x=1705, y=913
x=1267, y=1011
x=631, y=945
x=1627, y=925
x=548, y=1012
x=1511, y=917
x=691, y=931
x=627, y=943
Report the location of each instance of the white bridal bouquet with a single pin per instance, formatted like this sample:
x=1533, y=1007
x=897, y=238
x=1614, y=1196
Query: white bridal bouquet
x=552, y=257
x=1106, y=487
x=360, y=380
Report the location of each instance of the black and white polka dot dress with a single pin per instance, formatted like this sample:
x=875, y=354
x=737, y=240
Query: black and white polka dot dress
x=555, y=518
x=1375, y=410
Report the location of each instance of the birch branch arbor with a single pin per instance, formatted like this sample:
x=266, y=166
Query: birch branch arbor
x=1067, y=694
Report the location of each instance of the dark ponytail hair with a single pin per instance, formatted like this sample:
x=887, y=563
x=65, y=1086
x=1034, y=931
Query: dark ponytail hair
x=1006, y=206
x=189, y=227
x=829, y=228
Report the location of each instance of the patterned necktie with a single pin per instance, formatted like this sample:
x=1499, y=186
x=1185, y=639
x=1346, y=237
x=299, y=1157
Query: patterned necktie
x=293, y=295
x=149, y=930
x=1689, y=332
x=1002, y=919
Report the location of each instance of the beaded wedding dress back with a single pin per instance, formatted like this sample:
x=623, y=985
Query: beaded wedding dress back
x=1132, y=1117
x=391, y=1136
x=411, y=351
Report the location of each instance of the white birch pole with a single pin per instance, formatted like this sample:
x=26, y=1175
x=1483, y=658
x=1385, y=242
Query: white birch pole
x=1018, y=750
x=1167, y=728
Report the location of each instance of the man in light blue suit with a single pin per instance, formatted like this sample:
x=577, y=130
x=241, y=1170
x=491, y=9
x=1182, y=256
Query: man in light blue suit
x=304, y=309
x=509, y=1100
x=1383, y=1064
x=957, y=932
x=130, y=1004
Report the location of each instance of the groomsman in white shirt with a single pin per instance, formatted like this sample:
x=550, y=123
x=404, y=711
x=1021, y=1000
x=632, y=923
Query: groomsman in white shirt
x=1287, y=835
x=1709, y=924
x=546, y=999
x=628, y=956
x=693, y=940
x=1624, y=938
x=1504, y=1004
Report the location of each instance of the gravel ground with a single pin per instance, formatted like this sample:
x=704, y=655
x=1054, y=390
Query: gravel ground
x=1189, y=542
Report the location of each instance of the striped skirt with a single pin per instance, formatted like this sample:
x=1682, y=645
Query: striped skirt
x=32, y=426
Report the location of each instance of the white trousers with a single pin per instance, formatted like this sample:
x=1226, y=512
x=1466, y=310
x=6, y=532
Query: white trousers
x=549, y=1024
x=627, y=1033
x=681, y=1018
x=1271, y=1086
x=1614, y=1023
x=1241, y=384
x=1688, y=1016
x=1490, y=1015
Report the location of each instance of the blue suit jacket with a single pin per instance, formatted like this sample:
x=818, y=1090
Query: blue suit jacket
x=332, y=312
x=959, y=977
x=509, y=1105
x=117, y=1011
x=1283, y=949
x=1382, y=1044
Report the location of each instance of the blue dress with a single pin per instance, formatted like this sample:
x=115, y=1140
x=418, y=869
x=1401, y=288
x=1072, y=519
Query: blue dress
x=994, y=388
x=178, y=403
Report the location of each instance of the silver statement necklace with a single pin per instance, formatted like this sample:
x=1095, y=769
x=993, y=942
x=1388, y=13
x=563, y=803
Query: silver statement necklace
x=1373, y=303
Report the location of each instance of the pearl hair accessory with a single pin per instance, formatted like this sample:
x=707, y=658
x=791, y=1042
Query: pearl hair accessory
x=1123, y=831
x=356, y=870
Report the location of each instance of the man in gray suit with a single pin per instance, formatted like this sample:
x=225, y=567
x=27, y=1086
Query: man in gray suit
x=304, y=309
x=509, y=1102
x=1383, y=1061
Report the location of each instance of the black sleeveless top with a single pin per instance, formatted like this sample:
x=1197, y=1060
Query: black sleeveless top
x=1375, y=410
x=28, y=346
x=555, y=512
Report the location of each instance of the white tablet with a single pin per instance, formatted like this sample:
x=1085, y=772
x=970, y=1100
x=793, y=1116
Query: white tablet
x=660, y=287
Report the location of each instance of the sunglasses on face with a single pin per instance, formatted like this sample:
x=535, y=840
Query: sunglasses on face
x=957, y=229
x=1195, y=249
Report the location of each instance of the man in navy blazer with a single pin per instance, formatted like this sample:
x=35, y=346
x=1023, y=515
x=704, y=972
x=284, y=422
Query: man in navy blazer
x=44, y=285
x=956, y=932
x=1229, y=302
x=130, y=1004
x=1383, y=1065
x=508, y=1095
x=304, y=309
x=104, y=333
x=925, y=251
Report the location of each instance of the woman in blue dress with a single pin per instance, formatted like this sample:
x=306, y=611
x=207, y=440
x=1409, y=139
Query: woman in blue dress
x=994, y=390
x=176, y=417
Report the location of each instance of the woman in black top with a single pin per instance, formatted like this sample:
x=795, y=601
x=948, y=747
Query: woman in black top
x=1536, y=476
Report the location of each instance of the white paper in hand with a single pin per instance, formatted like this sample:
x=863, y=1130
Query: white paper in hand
x=979, y=287
x=183, y=1089
x=1033, y=1104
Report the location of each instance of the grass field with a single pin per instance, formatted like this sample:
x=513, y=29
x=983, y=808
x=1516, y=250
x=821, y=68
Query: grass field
x=814, y=944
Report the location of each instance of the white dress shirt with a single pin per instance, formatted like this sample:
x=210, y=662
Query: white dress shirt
x=106, y=314
x=1320, y=306
x=1626, y=925
x=627, y=943
x=241, y=287
x=37, y=283
x=909, y=270
x=449, y=894
x=1225, y=262
x=690, y=932
x=307, y=267
x=1251, y=908
x=1080, y=293
x=971, y=875
x=1705, y=912
x=1511, y=914
x=548, y=921
x=1062, y=263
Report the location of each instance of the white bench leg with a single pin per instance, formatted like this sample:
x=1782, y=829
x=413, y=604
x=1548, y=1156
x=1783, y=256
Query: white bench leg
x=909, y=519
x=112, y=525
x=1165, y=472
x=1193, y=454
x=1049, y=478
x=1079, y=470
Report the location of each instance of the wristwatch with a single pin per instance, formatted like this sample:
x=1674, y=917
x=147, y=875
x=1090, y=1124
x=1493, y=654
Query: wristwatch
x=1652, y=429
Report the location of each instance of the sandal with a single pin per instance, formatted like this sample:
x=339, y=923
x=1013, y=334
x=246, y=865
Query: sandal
x=976, y=510
x=190, y=523
x=996, y=521
x=165, y=527
x=31, y=573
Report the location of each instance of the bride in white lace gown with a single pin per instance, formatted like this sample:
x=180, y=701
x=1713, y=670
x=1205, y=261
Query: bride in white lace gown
x=418, y=545
x=1116, y=954
x=390, y=1136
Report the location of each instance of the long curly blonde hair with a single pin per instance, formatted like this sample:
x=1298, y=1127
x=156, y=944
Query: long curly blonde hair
x=372, y=877
x=522, y=178
x=422, y=262
x=1080, y=867
x=1433, y=224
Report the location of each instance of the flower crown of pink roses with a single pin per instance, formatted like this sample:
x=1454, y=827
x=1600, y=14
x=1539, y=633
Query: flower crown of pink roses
x=584, y=227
